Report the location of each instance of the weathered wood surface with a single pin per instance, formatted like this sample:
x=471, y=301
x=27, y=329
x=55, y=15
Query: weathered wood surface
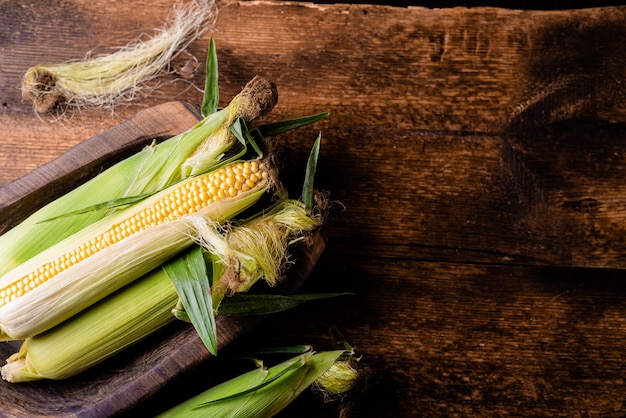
x=479, y=154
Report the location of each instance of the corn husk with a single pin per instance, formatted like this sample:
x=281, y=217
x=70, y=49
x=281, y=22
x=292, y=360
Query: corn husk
x=96, y=334
x=261, y=393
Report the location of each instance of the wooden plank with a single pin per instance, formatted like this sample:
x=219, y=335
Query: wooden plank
x=455, y=81
x=454, y=339
x=447, y=69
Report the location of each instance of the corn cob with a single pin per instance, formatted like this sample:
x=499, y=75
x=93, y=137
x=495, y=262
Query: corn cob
x=127, y=315
x=265, y=392
x=151, y=170
x=75, y=273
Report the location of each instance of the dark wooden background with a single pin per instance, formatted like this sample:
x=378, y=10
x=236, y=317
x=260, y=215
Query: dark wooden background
x=479, y=153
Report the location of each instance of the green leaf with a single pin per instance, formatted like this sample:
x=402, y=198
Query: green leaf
x=189, y=275
x=218, y=269
x=211, y=89
x=111, y=204
x=241, y=132
x=290, y=349
x=254, y=304
x=237, y=130
x=311, y=166
x=277, y=128
x=271, y=379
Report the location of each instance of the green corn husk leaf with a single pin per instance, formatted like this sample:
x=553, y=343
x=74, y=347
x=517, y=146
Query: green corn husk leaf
x=189, y=275
x=91, y=279
x=211, y=89
x=260, y=393
x=111, y=204
x=277, y=128
x=311, y=167
x=241, y=132
x=155, y=168
x=263, y=304
x=241, y=304
x=96, y=334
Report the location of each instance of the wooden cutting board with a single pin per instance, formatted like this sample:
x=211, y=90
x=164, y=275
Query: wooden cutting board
x=138, y=373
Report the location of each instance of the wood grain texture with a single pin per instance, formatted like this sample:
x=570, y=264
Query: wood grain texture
x=479, y=154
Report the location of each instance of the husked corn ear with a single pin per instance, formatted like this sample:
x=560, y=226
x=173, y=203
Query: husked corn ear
x=87, y=266
x=188, y=199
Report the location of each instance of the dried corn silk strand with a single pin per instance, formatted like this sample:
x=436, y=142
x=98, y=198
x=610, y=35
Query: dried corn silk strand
x=106, y=80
